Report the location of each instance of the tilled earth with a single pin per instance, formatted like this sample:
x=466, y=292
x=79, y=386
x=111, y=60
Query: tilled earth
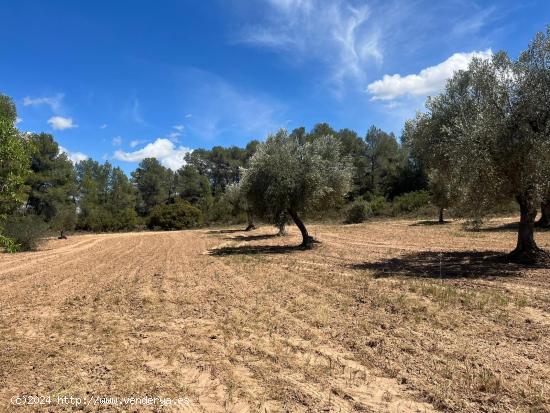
x=388, y=316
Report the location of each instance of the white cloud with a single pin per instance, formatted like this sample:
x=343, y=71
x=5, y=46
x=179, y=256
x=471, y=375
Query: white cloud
x=74, y=157
x=54, y=102
x=117, y=141
x=429, y=80
x=61, y=123
x=339, y=34
x=163, y=149
x=103, y=126
x=18, y=120
x=188, y=116
x=179, y=128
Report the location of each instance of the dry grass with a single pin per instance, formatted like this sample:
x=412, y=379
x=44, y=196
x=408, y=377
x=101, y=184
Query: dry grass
x=380, y=317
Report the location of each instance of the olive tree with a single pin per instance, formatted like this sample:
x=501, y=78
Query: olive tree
x=492, y=126
x=422, y=137
x=440, y=192
x=287, y=174
x=236, y=197
x=64, y=219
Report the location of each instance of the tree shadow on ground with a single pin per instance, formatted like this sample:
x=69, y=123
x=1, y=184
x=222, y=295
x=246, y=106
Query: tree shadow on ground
x=258, y=249
x=429, y=223
x=224, y=231
x=252, y=237
x=509, y=227
x=461, y=264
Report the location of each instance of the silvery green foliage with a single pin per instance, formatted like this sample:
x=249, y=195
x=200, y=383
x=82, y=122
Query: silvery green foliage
x=285, y=173
x=490, y=129
x=439, y=188
x=533, y=68
x=235, y=196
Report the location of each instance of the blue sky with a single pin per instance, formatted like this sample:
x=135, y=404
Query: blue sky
x=122, y=80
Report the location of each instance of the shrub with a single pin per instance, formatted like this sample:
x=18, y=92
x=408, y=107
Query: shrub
x=358, y=211
x=411, y=202
x=221, y=211
x=25, y=230
x=64, y=220
x=378, y=205
x=8, y=245
x=179, y=215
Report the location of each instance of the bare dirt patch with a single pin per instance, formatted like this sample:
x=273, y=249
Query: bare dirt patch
x=380, y=317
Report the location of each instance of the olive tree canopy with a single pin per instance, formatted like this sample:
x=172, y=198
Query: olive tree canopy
x=490, y=129
x=288, y=174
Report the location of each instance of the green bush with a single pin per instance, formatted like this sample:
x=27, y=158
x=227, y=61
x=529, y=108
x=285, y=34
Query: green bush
x=222, y=211
x=9, y=245
x=26, y=231
x=411, y=202
x=379, y=205
x=357, y=212
x=98, y=219
x=179, y=215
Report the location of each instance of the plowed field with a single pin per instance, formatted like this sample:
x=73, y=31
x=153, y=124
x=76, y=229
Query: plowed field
x=389, y=316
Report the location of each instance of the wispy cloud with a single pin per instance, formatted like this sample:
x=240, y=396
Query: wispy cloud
x=74, y=157
x=61, y=123
x=133, y=111
x=103, y=126
x=473, y=24
x=339, y=34
x=427, y=81
x=117, y=141
x=164, y=150
x=344, y=43
x=54, y=102
x=221, y=109
x=179, y=128
x=173, y=136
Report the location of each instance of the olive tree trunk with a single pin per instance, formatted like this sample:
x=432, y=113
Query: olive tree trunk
x=544, y=221
x=250, y=220
x=281, y=224
x=307, y=240
x=527, y=250
x=441, y=220
x=62, y=234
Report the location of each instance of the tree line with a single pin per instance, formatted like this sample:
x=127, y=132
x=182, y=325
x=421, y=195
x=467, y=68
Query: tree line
x=41, y=188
